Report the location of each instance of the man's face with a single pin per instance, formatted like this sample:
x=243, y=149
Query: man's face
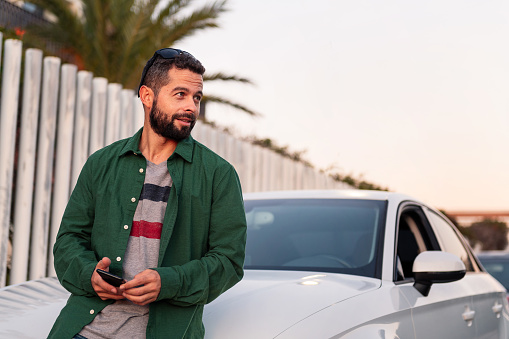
x=177, y=106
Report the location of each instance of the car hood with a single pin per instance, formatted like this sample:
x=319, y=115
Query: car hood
x=269, y=302
x=28, y=310
x=263, y=304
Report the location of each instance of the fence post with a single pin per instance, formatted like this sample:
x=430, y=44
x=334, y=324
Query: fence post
x=247, y=176
x=197, y=131
x=213, y=141
x=257, y=168
x=204, y=136
x=265, y=170
x=98, y=118
x=44, y=172
x=126, y=114
x=112, y=126
x=26, y=166
x=221, y=147
x=138, y=113
x=61, y=188
x=240, y=164
x=8, y=120
x=81, y=124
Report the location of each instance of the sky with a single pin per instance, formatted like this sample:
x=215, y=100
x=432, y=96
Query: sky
x=408, y=95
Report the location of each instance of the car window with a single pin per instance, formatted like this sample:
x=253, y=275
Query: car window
x=449, y=240
x=498, y=268
x=330, y=235
x=412, y=240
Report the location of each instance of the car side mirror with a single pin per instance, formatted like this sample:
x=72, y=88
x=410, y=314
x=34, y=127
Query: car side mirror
x=432, y=267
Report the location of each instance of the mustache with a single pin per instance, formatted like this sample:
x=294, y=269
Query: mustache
x=189, y=116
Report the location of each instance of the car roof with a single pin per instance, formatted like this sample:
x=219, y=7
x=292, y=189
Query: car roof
x=329, y=194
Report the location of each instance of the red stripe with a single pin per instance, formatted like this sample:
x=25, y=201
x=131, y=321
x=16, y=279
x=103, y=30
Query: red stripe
x=146, y=229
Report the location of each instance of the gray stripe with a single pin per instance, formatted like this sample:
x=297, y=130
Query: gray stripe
x=151, y=211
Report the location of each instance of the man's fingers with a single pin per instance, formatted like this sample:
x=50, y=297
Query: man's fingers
x=142, y=279
x=101, y=287
x=136, y=283
x=140, y=299
x=105, y=296
x=103, y=264
x=138, y=290
x=144, y=288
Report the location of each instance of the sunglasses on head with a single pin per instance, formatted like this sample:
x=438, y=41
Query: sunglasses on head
x=166, y=53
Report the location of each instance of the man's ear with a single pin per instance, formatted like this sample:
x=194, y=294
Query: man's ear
x=146, y=96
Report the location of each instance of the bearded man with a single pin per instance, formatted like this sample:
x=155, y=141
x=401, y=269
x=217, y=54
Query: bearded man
x=158, y=209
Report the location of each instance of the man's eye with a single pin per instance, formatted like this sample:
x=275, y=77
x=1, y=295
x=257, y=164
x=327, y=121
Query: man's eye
x=197, y=98
x=180, y=94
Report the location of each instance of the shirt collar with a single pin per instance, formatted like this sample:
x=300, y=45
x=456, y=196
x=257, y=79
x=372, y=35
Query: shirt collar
x=184, y=147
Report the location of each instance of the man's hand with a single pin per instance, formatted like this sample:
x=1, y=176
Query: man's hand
x=102, y=288
x=144, y=288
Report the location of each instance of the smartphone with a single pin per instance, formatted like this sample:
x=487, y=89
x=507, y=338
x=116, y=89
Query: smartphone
x=110, y=278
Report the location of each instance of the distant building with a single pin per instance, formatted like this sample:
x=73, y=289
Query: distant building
x=28, y=7
x=15, y=15
x=19, y=14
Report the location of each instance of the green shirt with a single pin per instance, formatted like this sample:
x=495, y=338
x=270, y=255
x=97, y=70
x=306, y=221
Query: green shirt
x=202, y=242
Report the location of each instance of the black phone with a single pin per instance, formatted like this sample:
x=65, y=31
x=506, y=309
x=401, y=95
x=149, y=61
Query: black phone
x=110, y=278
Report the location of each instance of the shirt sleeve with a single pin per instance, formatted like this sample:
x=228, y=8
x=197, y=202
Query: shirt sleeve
x=201, y=281
x=73, y=258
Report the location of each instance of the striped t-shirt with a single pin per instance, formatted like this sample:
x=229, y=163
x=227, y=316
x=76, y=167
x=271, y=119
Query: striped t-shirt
x=123, y=319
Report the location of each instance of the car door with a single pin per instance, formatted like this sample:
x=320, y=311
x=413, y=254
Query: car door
x=489, y=301
x=448, y=309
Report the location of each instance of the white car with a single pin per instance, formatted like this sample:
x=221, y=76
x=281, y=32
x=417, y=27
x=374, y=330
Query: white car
x=332, y=264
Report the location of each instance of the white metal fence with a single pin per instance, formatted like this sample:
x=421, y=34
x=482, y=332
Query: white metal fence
x=60, y=117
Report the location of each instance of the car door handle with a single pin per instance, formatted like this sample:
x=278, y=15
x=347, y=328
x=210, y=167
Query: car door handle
x=468, y=316
x=497, y=308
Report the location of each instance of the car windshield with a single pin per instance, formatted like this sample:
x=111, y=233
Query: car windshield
x=326, y=235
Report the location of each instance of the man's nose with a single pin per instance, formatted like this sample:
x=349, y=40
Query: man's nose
x=192, y=106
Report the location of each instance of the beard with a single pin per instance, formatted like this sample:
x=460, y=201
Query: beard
x=164, y=125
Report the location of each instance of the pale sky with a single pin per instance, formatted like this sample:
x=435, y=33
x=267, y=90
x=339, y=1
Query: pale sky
x=410, y=95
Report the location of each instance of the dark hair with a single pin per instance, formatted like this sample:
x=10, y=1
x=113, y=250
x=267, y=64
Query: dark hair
x=157, y=75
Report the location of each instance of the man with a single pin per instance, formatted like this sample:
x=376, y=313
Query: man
x=159, y=209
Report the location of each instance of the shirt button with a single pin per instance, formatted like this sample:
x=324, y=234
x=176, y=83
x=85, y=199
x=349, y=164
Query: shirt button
x=141, y=170
x=92, y=311
x=118, y=258
x=133, y=199
x=126, y=227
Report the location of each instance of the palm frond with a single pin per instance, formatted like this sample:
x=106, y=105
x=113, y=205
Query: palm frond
x=225, y=77
x=220, y=100
x=114, y=38
x=181, y=27
x=66, y=40
x=171, y=9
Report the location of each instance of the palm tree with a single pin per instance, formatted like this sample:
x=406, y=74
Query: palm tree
x=114, y=38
